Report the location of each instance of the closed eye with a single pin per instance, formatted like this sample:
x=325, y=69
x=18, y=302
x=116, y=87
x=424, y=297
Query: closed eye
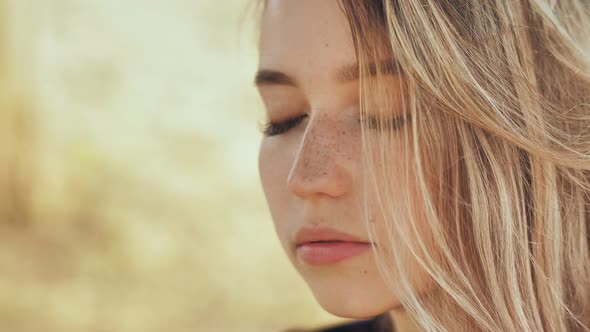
x=272, y=128
x=392, y=123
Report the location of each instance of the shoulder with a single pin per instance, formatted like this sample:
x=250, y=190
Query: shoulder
x=381, y=323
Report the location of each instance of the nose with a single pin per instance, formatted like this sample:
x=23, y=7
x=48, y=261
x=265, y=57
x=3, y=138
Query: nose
x=321, y=164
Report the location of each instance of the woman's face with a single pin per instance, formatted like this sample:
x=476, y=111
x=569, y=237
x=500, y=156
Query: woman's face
x=311, y=173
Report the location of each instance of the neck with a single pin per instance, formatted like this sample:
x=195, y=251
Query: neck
x=402, y=321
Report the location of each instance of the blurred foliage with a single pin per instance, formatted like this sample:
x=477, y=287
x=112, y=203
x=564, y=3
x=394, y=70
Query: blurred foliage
x=129, y=191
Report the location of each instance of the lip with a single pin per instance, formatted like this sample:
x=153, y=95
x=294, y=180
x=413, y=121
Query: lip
x=314, y=234
x=337, y=246
x=324, y=253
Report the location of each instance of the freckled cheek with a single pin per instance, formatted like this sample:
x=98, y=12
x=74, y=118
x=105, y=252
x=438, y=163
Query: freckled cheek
x=393, y=185
x=346, y=142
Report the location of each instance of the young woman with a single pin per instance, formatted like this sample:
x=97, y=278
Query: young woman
x=427, y=162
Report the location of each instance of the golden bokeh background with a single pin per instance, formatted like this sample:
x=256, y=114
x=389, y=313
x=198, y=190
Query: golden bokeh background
x=129, y=189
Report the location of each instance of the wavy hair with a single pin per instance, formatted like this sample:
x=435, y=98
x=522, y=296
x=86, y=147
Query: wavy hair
x=497, y=151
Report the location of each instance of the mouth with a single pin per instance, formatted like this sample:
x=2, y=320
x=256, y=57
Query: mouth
x=324, y=245
x=330, y=252
x=322, y=241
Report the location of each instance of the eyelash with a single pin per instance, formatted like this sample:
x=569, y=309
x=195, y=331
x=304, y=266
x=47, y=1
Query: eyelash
x=272, y=128
x=276, y=128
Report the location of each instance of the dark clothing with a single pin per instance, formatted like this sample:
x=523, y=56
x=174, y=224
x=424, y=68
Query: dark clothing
x=381, y=323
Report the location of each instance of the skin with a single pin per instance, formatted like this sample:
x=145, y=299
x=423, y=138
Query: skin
x=311, y=174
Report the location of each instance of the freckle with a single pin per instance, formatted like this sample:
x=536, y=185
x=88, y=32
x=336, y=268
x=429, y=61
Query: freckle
x=364, y=271
x=326, y=44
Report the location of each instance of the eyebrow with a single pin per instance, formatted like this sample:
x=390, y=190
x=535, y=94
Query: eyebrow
x=344, y=74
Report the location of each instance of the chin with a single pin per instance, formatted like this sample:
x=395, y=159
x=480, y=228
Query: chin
x=350, y=289
x=358, y=303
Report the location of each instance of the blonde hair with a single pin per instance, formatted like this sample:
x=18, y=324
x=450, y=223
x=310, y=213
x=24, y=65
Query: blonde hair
x=497, y=150
x=498, y=93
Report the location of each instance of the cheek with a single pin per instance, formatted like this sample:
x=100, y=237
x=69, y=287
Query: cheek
x=394, y=216
x=273, y=166
x=271, y=169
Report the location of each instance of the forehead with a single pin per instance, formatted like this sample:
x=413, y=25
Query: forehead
x=306, y=38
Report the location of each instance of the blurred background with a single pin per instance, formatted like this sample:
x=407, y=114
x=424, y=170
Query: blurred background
x=129, y=189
